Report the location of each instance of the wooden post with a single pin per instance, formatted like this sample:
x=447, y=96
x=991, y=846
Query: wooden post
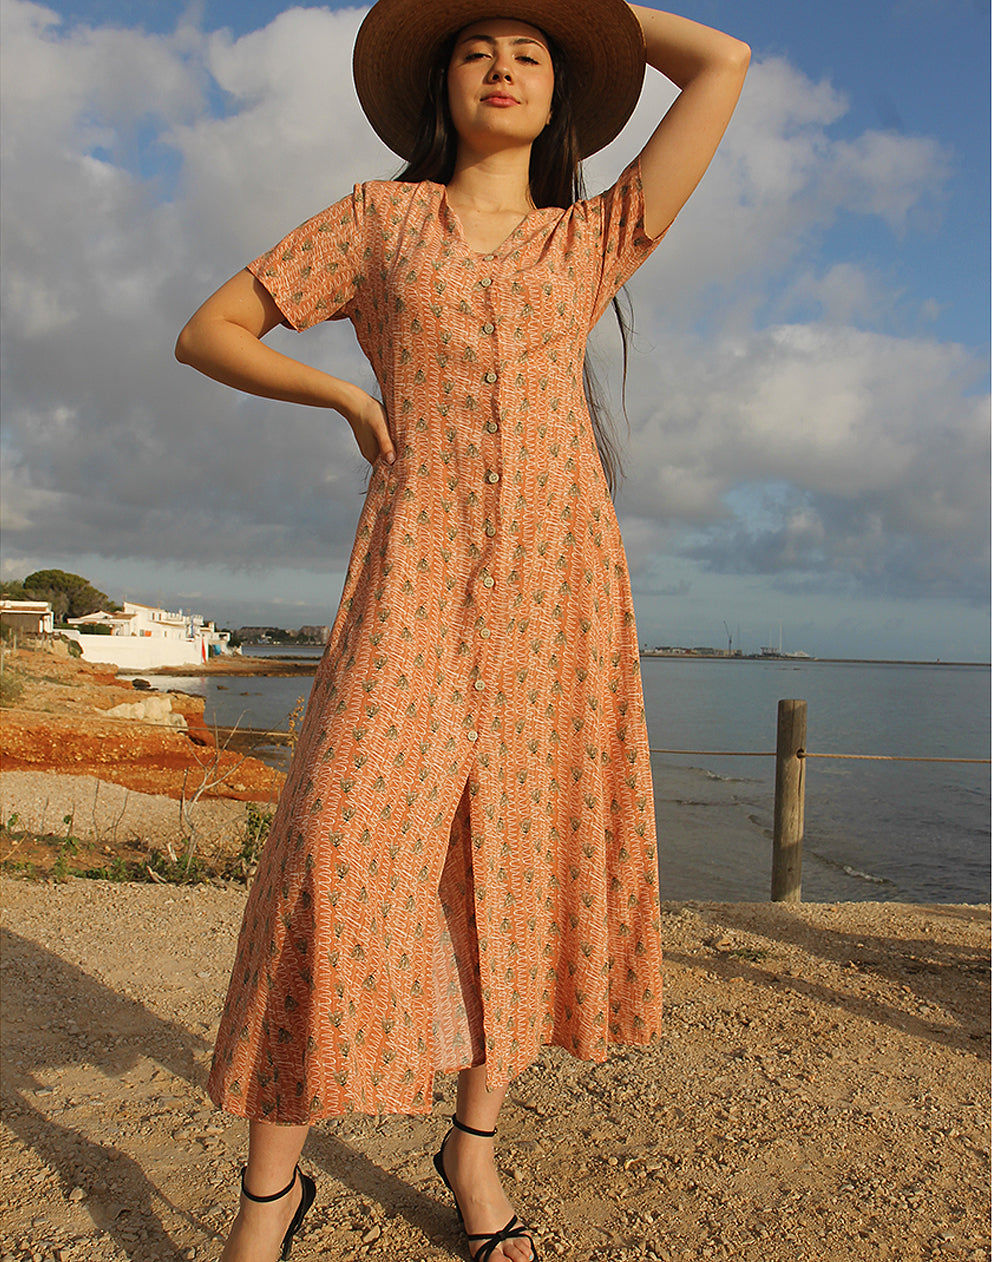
x=790, y=803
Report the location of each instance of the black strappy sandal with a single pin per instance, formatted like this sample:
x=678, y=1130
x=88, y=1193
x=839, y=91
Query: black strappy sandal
x=306, y=1200
x=514, y=1229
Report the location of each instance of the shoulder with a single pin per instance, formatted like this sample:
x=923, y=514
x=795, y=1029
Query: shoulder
x=385, y=196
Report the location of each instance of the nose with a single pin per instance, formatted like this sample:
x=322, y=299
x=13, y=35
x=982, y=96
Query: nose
x=499, y=70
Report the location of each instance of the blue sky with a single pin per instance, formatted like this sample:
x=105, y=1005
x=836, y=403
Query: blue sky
x=808, y=408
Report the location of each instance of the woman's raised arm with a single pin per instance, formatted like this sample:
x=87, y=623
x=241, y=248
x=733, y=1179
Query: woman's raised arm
x=223, y=340
x=709, y=67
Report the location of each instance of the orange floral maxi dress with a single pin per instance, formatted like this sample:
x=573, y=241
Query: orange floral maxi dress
x=463, y=864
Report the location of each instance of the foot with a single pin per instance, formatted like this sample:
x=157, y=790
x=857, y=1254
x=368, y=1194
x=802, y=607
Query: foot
x=471, y=1170
x=257, y=1232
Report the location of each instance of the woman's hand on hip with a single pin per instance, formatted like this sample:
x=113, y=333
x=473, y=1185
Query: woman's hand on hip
x=370, y=425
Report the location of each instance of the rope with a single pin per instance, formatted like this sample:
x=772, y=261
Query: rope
x=803, y=753
x=720, y=753
x=103, y=717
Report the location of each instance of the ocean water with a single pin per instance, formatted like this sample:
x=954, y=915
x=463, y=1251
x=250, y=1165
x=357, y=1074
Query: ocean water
x=906, y=831
x=881, y=831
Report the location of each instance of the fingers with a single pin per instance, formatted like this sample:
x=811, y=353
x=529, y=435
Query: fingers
x=379, y=425
x=386, y=449
x=375, y=443
x=371, y=428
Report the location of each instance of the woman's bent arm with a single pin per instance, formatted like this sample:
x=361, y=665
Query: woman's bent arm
x=223, y=341
x=709, y=67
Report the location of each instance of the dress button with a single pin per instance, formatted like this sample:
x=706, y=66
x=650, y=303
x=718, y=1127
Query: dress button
x=488, y=258
x=492, y=427
x=472, y=736
x=480, y=684
x=492, y=477
x=486, y=282
x=490, y=377
x=485, y=633
x=488, y=328
x=489, y=581
x=490, y=530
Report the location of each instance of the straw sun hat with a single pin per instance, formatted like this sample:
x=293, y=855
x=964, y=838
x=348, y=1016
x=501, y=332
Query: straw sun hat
x=399, y=39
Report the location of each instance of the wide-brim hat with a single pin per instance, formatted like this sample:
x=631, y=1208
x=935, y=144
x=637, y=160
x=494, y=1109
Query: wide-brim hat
x=400, y=39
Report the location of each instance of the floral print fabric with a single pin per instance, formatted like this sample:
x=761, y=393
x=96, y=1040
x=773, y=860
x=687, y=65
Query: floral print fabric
x=463, y=864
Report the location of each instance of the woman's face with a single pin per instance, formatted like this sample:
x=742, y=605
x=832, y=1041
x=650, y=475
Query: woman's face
x=500, y=84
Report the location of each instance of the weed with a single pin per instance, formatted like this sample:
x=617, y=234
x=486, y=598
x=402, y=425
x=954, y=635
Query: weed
x=70, y=844
x=256, y=831
x=11, y=686
x=174, y=871
x=118, y=870
x=19, y=867
x=754, y=954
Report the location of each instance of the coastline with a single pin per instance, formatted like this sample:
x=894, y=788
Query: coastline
x=787, y=660
x=820, y=1092
x=234, y=665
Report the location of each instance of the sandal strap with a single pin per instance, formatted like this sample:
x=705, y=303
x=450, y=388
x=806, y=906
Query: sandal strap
x=276, y=1196
x=470, y=1130
x=514, y=1230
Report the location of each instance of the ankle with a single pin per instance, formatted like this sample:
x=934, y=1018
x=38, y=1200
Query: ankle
x=479, y=1132
x=262, y=1190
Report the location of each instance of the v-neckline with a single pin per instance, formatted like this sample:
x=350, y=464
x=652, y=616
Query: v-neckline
x=459, y=230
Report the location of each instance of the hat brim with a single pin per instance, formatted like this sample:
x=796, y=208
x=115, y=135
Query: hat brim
x=399, y=40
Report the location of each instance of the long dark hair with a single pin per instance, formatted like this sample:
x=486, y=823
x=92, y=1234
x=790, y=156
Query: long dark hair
x=555, y=180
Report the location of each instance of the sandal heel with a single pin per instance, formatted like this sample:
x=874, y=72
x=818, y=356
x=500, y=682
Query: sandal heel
x=309, y=1195
x=514, y=1229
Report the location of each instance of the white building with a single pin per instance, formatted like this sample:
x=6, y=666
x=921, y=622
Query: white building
x=143, y=637
x=155, y=623
x=119, y=623
x=32, y=616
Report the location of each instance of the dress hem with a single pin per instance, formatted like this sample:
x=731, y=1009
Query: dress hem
x=225, y=1107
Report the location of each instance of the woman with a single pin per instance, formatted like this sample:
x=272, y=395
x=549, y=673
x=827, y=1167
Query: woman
x=462, y=866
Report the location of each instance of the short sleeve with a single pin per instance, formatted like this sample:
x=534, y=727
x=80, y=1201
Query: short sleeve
x=315, y=271
x=617, y=216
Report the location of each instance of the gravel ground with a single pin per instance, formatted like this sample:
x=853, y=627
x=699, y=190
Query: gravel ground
x=110, y=814
x=821, y=1092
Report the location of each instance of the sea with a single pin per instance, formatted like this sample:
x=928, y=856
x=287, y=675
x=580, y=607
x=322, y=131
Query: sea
x=875, y=830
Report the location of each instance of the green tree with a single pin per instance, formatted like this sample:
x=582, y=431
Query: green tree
x=71, y=595
x=12, y=589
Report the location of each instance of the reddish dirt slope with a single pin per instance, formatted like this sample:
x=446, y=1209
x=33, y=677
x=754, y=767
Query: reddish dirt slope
x=54, y=719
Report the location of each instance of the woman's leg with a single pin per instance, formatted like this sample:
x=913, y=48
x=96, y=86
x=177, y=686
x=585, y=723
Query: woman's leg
x=470, y=1165
x=257, y=1232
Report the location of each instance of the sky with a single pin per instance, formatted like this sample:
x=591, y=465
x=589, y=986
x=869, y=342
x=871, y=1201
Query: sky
x=808, y=446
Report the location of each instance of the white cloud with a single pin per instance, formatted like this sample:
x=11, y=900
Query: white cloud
x=883, y=450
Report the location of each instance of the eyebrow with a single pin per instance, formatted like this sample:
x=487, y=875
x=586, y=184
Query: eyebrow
x=488, y=39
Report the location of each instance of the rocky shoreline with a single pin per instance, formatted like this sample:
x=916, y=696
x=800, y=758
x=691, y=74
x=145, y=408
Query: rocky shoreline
x=821, y=1093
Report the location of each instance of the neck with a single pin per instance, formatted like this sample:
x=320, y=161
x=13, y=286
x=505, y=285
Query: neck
x=492, y=181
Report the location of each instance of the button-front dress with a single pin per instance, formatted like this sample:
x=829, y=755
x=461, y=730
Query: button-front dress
x=463, y=864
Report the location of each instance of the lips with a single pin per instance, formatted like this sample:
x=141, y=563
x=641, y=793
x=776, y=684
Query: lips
x=500, y=98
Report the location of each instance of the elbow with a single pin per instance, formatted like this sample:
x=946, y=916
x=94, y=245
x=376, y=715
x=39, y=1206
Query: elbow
x=185, y=344
x=740, y=56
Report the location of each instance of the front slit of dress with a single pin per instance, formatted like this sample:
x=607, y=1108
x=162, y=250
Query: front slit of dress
x=459, y=1022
